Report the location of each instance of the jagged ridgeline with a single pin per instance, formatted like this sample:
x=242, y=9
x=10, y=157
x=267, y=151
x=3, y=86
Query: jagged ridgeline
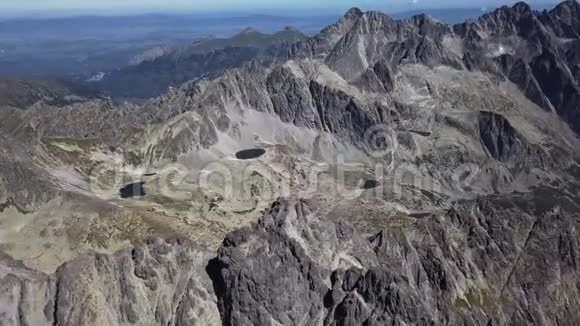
x=382, y=172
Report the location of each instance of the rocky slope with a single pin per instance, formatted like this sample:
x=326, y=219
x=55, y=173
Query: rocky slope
x=534, y=50
x=162, y=282
x=420, y=174
x=22, y=93
x=480, y=262
x=461, y=266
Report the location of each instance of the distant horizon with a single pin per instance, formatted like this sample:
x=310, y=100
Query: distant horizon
x=409, y=6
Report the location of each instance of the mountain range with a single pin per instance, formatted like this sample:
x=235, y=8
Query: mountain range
x=150, y=74
x=381, y=172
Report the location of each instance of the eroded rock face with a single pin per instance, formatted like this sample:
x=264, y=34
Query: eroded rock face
x=499, y=137
x=161, y=283
x=523, y=45
x=479, y=262
x=291, y=99
x=469, y=265
x=541, y=68
x=261, y=289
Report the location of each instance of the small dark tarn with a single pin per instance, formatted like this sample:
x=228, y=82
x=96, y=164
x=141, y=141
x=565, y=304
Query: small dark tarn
x=418, y=132
x=420, y=215
x=133, y=190
x=249, y=154
x=149, y=174
x=371, y=184
x=422, y=133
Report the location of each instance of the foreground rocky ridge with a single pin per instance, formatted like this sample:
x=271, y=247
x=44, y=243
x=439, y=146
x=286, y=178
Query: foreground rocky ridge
x=162, y=282
x=493, y=260
x=476, y=264
x=458, y=204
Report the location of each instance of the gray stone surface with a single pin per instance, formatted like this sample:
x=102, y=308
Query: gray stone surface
x=159, y=283
x=478, y=263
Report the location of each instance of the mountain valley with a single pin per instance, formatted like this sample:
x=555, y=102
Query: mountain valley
x=380, y=172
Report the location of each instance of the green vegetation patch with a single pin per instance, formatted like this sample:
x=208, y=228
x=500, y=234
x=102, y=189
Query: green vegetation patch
x=177, y=205
x=72, y=151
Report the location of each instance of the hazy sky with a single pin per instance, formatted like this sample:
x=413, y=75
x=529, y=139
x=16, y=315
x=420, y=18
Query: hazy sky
x=128, y=6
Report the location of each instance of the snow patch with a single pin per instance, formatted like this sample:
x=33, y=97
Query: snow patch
x=295, y=69
x=362, y=52
x=330, y=78
x=453, y=44
x=496, y=50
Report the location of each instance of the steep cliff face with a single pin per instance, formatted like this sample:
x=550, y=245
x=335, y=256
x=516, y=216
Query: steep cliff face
x=161, y=283
x=563, y=19
x=375, y=36
x=539, y=43
x=498, y=136
x=532, y=49
x=476, y=263
x=320, y=45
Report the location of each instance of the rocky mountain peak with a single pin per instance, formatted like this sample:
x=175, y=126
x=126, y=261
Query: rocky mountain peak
x=508, y=15
x=424, y=19
x=353, y=12
x=522, y=8
x=568, y=13
x=568, y=6
x=428, y=26
x=374, y=22
x=321, y=44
